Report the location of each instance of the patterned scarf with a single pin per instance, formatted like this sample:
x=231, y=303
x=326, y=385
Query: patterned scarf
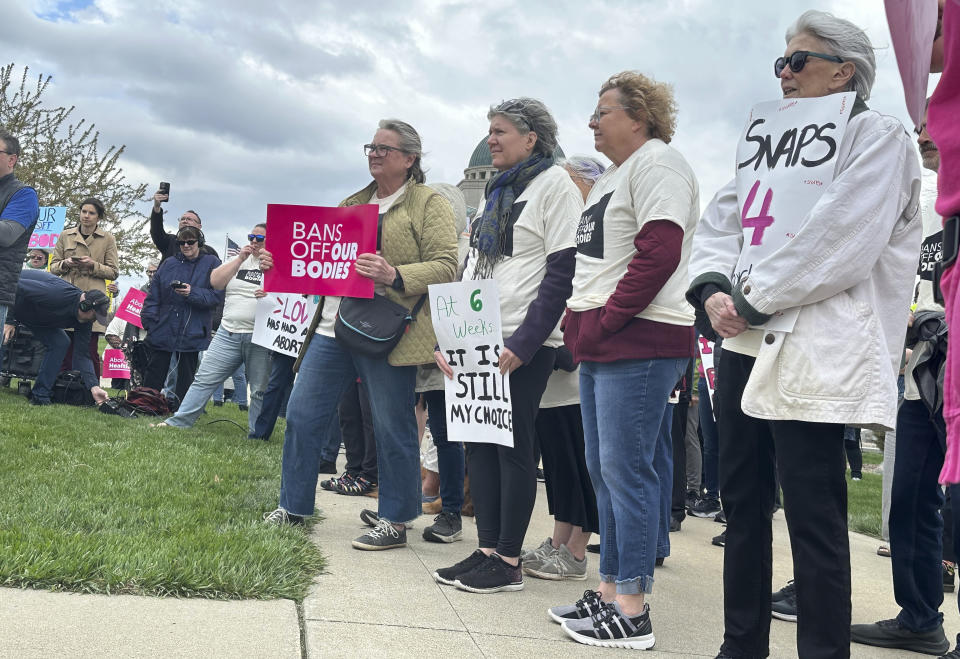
x=501, y=192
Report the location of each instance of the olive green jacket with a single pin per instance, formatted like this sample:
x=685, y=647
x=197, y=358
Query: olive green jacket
x=418, y=238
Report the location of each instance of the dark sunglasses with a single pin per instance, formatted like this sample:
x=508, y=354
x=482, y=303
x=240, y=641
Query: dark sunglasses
x=798, y=60
x=186, y=242
x=256, y=236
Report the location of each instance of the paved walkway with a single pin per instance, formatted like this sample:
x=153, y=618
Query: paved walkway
x=387, y=604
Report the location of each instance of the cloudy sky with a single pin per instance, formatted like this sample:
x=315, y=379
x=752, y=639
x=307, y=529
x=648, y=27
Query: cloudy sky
x=241, y=103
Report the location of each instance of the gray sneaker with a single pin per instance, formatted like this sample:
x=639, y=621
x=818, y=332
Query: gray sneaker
x=560, y=565
x=382, y=536
x=534, y=558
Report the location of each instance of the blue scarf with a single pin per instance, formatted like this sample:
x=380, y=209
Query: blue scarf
x=501, y=192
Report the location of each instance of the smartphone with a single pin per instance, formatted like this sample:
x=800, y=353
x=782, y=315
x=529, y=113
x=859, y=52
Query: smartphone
x=177, y=285
x=165, y=189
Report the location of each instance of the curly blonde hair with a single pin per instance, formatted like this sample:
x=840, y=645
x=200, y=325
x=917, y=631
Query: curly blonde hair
x=646, y=100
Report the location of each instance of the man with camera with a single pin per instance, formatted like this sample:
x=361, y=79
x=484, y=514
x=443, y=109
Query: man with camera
x=167, y=242
x=48, y=305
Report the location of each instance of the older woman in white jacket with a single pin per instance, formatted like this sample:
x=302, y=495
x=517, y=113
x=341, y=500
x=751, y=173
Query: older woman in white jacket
x=784, y=397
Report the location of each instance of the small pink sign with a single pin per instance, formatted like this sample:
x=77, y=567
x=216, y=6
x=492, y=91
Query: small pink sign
x=115, y=364
x=131, y=306
x=315, y=249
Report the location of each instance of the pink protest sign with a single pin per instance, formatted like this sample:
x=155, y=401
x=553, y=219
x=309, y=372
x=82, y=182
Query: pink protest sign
x=131, y=306
x=913, y=24
x=115, y=364
x=315, y=249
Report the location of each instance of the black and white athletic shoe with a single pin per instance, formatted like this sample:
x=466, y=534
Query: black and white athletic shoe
x=494, y=575
x=612, y=628
x=448, y=575
x=583, y=608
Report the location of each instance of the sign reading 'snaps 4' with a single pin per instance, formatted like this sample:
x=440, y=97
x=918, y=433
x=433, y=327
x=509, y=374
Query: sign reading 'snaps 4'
x=315, y=249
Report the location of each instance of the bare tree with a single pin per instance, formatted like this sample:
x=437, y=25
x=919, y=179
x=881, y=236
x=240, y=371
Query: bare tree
x=62, y=161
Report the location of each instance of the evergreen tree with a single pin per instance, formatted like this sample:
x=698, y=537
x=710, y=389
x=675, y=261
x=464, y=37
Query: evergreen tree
x=62, y=160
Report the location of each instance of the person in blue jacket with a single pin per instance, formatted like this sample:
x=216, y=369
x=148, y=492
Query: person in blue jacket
x=178, y=311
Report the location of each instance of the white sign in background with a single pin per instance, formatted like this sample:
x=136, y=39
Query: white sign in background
x=466, y=319
x=283, y=320
x=786, y=158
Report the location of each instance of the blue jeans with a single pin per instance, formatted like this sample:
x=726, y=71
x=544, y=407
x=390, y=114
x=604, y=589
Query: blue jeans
x=624, y=406
x=227, y=352
x=450, y=462
x=55, y=342
x=325, y=373
x=916, y=526
x=239, y=388
x=278, y=390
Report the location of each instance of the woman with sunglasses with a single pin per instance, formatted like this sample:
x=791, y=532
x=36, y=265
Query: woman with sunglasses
x=241, y=280
x=416, y=247
x=783, y=398
x=178, y=311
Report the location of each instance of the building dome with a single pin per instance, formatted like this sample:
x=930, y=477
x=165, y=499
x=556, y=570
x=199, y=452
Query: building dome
x=481, y=155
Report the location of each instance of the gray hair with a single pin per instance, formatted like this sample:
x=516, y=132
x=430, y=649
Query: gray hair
x=843, y=39
x=529, y=114
x=10, y=143
x=409, y=143
x=153, y=263
x=586, y=167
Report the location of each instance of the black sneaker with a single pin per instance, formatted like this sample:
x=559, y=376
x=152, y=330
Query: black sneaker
x=218, y=403
x=949, y=574
x=540, y=477
x=281, y=517
x=448, y=575
x=383, y=536
x=674, y=524
x=720, y=540
x=891, y=634
x=584, y=607
x=369, y=517
x=783, y=603
x=720, y=517
x=706, y=507
x=611, y=628
x=594, y=549
x=692, y=497
x=446, y=527
x=39, y=401
x=953, y=654
x=494, y=575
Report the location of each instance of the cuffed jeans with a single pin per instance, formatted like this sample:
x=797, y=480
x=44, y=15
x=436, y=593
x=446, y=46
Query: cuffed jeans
x=325, y=373
x=227, y=352
x=450, y=460
x=810, y=460
x=626, y=434
x=916, y=526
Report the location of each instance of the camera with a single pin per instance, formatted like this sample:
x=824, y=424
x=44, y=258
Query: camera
x=178, y=285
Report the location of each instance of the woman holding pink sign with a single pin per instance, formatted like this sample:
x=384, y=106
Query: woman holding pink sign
x=416, y=247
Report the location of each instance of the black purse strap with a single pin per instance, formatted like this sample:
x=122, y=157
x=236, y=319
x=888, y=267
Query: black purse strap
x=417, y=307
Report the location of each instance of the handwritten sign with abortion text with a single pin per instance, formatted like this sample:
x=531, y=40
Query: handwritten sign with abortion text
x=283, y=320
x=466, y=319
x=115, y=364
x=708, y=372
x=131, y=306
x=786, y=158
x=49, y=227
x=315, y=249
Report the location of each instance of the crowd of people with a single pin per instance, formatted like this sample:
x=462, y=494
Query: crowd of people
x=608, y=278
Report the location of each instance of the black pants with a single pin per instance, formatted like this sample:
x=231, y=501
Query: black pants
x=810, y=460
x=678, y=434
x=570, y=495
x=503, y=481
x=356, y=428
x=156, y=373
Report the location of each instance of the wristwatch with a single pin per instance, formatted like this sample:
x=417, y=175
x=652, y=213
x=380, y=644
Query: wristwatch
x=397, y=281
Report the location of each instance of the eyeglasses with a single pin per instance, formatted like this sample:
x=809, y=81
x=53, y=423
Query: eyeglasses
x=256, y=236
x=380, y=149
x=186, y=242
x=604, y=110
x=37, y=256
x=151, y=273
x=798, y=60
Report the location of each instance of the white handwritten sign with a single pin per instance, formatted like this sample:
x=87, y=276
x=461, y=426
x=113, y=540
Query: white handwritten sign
x=466, y=318
x=283, y=320
x=786, y=158
x=708, y=372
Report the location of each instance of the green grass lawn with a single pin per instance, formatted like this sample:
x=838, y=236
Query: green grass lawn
x=96, y=503
x=863, y=504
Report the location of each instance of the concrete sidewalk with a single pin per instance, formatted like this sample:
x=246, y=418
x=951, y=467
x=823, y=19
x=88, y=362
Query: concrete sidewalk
x=387, y=604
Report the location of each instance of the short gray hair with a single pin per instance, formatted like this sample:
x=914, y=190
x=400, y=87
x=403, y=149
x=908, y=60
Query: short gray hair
x=409, y=143
x=586, y=167
x=843, y=39
x=529, y=114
